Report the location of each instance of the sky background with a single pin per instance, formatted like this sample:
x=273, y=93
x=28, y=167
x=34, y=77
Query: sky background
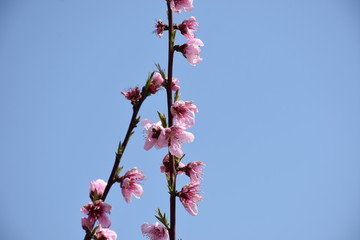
x=278, y=124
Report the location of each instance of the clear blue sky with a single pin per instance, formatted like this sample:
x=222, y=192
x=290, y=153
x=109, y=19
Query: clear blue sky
x=279, y=122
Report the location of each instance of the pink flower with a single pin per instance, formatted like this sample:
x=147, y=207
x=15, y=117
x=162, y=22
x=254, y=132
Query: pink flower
x=97, y=189
x=191, y=51
x=87, y=224
x=133, y=94
x=175, y=86
x=165, y=168
x=156, y=83
x=105, y=234
x=153, y=133
x=184, y=113
x=130, y=184
x=154, y=231
x=177, y=5
x=189, y=196
x=195, y=171
x=96, y=211
x=176, y=135
x=188, y=27
x=159, y=28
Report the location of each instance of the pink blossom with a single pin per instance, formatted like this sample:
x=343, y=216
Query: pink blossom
x=195, y=171
x=87, y=224
x=96, y=211
x=133, y=94
x=184, y=113
x=97, y=189
x=177, y=5
x=130, y=184
x=188, y=27
x=191, y=51
x=159, y=28
x=156, y=83
x=153, y=133
x=105, y=234
x=165, y=168
x=175, y=87
x=176, y=135
x=154, y=231
x=189, y=196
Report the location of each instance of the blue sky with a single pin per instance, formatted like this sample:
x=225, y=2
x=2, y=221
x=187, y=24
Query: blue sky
x=278, y=123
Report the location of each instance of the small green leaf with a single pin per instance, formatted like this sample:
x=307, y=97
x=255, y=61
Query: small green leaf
x=120, y=150
x=162, y=119
x=177, y=96
x=118, y=171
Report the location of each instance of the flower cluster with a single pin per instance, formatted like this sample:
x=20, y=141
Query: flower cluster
x=189, y=194
x=191, y=49
x=169, y=134
x=97, y=210
x=159, y=135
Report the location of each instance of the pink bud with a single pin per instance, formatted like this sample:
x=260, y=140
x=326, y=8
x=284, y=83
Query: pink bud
x=175, y=87
x=165, y=168
x=156, y=83
x=97, y=189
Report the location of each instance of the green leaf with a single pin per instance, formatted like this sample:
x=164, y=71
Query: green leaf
x=177, y=96
x=118, y=171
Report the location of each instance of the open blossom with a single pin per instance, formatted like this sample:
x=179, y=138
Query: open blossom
x=105, y=234
x=165, y=168
x=96, y=211
x=154, y=231
x=97, y=189
x=191, y=51
x=184, y=113
x=133, y=94
x=177, y=5
x=159, y=28
x=156, y=83
x=176, y=135
x=189, y=196
x=195, y=171
x=130, y=184
x=188, y=27
x=153, y=132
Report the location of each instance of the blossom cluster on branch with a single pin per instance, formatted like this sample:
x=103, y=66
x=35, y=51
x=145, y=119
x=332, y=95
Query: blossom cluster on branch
x=169, y=132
